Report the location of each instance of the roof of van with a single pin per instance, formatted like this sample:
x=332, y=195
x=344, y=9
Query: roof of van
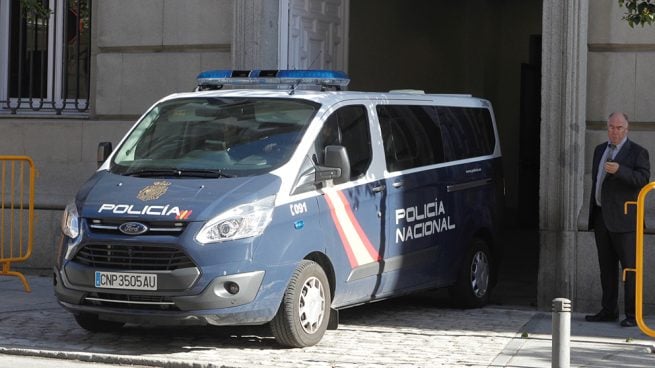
x=321, y=86
x=330, y=97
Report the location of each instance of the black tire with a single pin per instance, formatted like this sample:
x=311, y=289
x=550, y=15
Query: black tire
x=474, y=280
x=91, y=322
x=305, y=309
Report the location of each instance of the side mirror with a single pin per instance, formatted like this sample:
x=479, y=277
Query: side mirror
x=336, y=157
x=104, y=150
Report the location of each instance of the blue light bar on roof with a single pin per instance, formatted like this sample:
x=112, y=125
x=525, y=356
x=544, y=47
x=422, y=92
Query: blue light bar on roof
x=273, y=79
x=215, y=74
x=322, y=74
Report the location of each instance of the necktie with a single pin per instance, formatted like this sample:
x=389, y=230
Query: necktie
x=609, y=154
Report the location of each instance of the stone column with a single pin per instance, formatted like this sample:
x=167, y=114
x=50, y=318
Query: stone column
x=561, y=186
x=255, y=44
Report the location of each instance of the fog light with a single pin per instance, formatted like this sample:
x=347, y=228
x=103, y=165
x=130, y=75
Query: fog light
x=232, y=287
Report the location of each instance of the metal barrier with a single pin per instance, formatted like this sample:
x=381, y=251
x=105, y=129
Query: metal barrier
x=639, y=260
x=16, y=213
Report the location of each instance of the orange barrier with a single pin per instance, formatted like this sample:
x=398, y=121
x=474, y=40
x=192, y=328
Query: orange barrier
x=16, y=213
x=639, y=260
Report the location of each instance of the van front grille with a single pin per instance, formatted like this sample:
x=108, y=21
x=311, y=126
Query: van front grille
x=147, y=302
x=112, y=226
x=133, y=257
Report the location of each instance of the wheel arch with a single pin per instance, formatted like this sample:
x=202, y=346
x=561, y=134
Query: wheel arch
x=322, y=260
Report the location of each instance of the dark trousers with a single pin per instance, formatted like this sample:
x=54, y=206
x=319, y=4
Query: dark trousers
x=614, y=249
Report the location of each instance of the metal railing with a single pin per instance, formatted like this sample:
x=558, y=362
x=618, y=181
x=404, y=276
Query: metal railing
x=639, y=258
x=17, y=175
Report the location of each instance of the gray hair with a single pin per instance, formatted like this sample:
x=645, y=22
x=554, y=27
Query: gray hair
x=625, y=116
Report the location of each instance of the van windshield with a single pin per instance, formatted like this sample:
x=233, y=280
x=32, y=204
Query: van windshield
x=214, y=137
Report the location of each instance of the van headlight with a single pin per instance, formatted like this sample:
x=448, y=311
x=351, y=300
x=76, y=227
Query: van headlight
x=243, y=221
x=70, y=222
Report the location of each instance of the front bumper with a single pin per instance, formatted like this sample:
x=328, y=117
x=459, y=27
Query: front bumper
x=214, y=305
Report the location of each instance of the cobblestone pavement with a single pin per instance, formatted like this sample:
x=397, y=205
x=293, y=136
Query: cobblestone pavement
x=416, y=331
x=409, y=332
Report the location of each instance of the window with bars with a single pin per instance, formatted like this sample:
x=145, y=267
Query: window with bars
x=45, y=48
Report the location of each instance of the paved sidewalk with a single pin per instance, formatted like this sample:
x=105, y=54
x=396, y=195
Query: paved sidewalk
x=418, y=331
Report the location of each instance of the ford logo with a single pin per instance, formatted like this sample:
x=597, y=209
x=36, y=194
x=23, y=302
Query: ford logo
x=133, y=228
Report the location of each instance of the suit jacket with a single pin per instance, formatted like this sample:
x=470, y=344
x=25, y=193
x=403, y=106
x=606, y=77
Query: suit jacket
x=624, y=185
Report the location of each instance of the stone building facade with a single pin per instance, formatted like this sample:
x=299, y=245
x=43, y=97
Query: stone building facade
x=583, y=59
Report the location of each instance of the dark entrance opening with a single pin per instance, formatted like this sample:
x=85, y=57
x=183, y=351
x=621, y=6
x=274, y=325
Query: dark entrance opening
x=489, y=50
x=518, y=277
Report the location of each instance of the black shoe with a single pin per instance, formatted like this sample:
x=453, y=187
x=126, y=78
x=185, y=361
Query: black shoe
x=628, y=322
x=602, y=316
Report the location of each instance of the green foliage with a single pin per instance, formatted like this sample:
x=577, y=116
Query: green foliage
x=33, y=9
x=639, y=12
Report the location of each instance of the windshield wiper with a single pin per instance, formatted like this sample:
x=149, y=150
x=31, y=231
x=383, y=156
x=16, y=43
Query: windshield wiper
x=151, y=172
x=205, y=173
x=200, y=173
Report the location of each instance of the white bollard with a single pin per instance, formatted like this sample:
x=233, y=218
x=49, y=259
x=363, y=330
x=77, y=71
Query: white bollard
x=561, y=354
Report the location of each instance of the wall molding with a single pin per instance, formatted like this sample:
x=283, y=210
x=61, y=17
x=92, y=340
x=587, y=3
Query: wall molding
x=634, y=125
x=165, y=48
x=615, y=47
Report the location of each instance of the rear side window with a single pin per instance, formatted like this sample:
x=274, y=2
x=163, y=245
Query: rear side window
x=411, y=136
x=416, y=136
x=467, y=132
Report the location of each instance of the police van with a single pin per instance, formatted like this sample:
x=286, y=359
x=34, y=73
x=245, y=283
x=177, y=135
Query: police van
x=280, y=197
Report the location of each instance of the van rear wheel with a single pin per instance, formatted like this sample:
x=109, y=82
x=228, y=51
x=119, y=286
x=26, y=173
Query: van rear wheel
x=305, y=309
x=473, y=283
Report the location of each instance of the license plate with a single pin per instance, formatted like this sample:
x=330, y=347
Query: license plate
x=123, y=280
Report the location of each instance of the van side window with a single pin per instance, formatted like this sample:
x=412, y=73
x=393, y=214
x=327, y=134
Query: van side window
x=411, y=136
x=348, y=127
x=467, y=132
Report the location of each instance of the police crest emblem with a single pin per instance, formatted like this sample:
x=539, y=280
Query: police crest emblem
x=154, y=191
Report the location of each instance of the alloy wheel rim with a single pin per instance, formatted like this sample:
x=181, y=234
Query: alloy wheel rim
x=312, y=305
x=479, y=274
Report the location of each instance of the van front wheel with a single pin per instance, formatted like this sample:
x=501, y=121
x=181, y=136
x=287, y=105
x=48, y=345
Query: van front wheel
x=473, y=283
x=305, y=309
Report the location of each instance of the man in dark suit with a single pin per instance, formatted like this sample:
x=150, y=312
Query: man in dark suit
x=620, y=169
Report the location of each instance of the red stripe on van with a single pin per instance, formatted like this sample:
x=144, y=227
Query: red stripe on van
x=362, y=235
x=344, y=240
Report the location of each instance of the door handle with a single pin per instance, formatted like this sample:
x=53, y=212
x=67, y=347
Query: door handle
x=398, y=184
x=378, y=188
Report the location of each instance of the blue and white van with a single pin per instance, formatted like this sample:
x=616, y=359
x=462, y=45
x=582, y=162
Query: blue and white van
x=279, y=197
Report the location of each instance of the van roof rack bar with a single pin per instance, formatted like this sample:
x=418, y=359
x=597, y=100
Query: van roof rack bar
x=276, y=79
x=409, y=91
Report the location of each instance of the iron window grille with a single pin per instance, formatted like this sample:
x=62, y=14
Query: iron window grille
x=45, y=53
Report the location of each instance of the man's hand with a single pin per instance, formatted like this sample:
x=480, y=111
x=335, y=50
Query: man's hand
x=611, y=167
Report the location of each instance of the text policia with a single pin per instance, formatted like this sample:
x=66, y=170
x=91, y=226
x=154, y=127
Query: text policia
x=422, y=220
